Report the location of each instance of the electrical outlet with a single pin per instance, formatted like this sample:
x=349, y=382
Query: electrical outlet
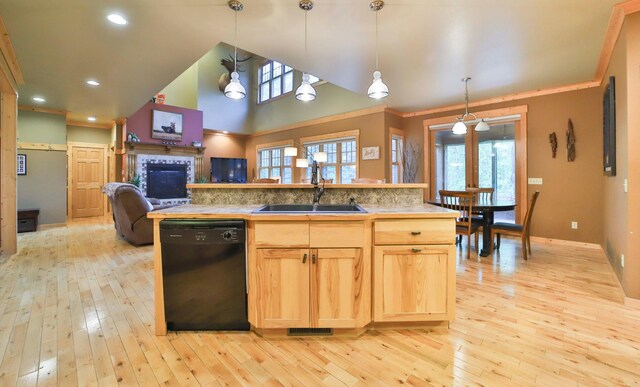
x=574, y=225
x=535, y=180
x=622, y=260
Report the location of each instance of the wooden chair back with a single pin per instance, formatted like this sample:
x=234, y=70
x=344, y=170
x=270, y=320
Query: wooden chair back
x=365, y=180
x=460, y=201
x=268, y=181
x=482, y=194
x=527, y=217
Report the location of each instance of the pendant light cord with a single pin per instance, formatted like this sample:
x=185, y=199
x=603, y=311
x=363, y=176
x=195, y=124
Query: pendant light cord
x=466, y=98
x=235, y=42
x=376, y=40
x=306, y=60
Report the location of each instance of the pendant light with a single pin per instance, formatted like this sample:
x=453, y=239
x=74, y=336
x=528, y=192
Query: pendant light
x=460, y=127
x=234, y=89
x=305, y=92
x=377, y=89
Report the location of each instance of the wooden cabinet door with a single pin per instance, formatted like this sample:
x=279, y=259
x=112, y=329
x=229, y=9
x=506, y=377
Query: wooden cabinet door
x=340, y=291
x=283, y=288
x=414, y=283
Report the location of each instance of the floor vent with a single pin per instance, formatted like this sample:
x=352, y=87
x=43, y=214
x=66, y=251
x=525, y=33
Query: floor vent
x=309, y=332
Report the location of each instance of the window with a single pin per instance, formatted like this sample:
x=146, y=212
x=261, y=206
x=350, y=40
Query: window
x=396, y=159
x=341, y=165
x=273, y=164
x=275, y=79
x=313, y=79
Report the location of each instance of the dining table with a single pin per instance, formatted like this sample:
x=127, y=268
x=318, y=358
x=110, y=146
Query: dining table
x=487, y=208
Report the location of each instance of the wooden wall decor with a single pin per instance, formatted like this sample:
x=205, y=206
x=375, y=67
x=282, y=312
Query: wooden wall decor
x=571, y=142
x=553, y=139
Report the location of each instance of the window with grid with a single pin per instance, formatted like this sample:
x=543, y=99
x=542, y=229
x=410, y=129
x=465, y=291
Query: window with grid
x=273, y=163
x=341, y=159
x=396, y=159
x=275, y=79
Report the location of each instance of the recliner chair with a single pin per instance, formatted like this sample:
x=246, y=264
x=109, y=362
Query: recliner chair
x=130, y=209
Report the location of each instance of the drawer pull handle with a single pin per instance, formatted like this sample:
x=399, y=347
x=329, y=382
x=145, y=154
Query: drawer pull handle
x=313, y=259
x=416, y=250
x=416, y=232
x=304, y=258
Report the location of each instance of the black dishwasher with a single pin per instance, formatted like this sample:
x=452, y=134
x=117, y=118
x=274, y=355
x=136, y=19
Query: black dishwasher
x=204, y=274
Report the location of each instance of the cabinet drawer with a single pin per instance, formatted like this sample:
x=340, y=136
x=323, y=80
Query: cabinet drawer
x=337, y=234
x=282, y=234
x=414, y=231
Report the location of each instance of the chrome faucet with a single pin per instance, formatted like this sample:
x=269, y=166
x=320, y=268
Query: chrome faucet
x=317, y=190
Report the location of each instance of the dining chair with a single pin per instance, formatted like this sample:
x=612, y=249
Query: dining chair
x=522, y=230
x=366, y=180
x=482, y=194
x=462, y=202
x=268, y=181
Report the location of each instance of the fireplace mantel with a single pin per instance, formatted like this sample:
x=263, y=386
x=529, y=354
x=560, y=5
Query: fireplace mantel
x=155, y=148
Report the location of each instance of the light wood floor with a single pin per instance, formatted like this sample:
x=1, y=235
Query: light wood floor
x=76, y=308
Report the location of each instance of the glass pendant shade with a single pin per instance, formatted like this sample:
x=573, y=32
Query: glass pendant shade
x=302, y=163
x=482, y=126
x=305, y=92
x=291, y=151
x=459, y=128
x=320, y=157
x=234, y=89
x=378, y=89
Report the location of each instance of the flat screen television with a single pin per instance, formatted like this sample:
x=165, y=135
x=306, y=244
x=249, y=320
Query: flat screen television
x=228, y=170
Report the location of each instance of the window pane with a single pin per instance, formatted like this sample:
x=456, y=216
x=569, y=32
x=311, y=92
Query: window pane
x=394, y=150
x=348, y=152
x=288, y=82
x=347, y=173
x=288, y=160
x=264, y=173
x=275, y=87
x=265, y=155
x=287, y=69
x=275, y=157
x=277, y=69
x=394, y=174
x=275, y=172
x=329, y=172
x=332, y=153
x=266, y=72
x=264, y=92
x=288, y=175
x=313, y=79
x=454, y=167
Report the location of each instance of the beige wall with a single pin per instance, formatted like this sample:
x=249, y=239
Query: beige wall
x=631, y=273
x=183, y=91
x=45, y=184
x=372, y=133
x=221, y=145
x=570, y=190
x=88, y=135
x=614, y=199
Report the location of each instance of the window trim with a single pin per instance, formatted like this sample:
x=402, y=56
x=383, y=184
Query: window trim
x=336, y=137
x=275, y=145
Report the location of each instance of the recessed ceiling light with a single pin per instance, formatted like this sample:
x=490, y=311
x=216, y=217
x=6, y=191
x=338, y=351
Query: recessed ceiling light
x=117, y=19
x=39, y=99
x=93, y=82
x=92, y=118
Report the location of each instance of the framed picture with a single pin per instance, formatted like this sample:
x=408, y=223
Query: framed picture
x=371, y=153
x=21, y=164
x=609, y=128
x=166, y=125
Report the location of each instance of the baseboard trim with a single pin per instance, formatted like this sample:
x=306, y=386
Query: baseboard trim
x=562, y=242
x=42, y=227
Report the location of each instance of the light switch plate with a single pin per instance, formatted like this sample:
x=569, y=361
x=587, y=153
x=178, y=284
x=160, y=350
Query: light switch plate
x=535, y=180
x=574, y=225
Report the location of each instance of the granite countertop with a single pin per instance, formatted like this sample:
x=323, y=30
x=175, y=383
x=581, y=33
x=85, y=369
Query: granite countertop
x=246, y=212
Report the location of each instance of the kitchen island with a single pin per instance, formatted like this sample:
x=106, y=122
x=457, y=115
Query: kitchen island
x=393, y=266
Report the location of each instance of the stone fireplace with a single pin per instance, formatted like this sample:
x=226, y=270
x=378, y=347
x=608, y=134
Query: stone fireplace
x=164, y=175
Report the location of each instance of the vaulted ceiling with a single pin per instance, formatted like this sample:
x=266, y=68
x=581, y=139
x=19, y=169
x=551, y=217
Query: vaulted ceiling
x=426, y=46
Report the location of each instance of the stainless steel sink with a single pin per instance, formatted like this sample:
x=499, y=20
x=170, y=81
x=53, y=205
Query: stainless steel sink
x=306, y=208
